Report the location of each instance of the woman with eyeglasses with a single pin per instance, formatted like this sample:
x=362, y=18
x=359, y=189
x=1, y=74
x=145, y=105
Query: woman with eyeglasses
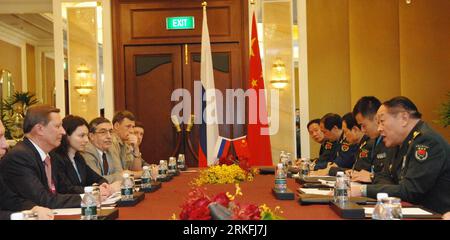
x=67, y=156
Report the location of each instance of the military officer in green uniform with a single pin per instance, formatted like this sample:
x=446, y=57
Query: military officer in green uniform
x=316, y=134
x=331, y=126
x=354, y=148
x=369, y=167
x=420, y=169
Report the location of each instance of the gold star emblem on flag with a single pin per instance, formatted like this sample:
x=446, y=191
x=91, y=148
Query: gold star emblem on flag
x=254, y=83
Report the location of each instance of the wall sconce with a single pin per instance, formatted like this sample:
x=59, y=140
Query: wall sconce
x=279, y=76
x=83, y=77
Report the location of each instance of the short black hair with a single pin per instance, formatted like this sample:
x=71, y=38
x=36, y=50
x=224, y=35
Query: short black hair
x=405, y=104
x=312, y=122
x=95, y=122
x=70, y=123
x=367, y=106
x=350, y=121
x=120, y=116
x=330, y=120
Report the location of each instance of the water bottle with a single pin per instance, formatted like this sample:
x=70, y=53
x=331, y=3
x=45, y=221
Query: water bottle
x=181, y=161
x=172, y=165
x=288, y=159
x=97, y=195
x=304, y=168
x=162, y=171
x=341, y=188
x=88, y=205
x=126, y=189
x=378, y=209
x=280, y=179
x=392, y=208
x=283, y=160
x=146, y=178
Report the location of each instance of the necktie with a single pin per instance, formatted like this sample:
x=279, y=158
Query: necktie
x=105, y=164
x=48, y=172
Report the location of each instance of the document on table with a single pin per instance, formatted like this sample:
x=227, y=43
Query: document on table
x=67, y=211
x=405, y=211
x=327, y=183
x=316, y=191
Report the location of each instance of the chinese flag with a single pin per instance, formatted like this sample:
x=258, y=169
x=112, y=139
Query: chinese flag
x=240, y=146
x=259, y=144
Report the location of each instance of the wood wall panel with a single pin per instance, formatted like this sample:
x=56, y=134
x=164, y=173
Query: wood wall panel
x=147, y=22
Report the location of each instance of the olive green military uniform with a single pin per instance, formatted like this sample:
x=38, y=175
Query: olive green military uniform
x=420, y=170
x=381, y=160
x=328, y=153
x=360, y=155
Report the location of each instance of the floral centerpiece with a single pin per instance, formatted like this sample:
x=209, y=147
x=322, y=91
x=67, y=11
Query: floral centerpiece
x=227, y=170
x=200, y=206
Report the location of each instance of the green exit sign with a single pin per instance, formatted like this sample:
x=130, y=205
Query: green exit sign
x=177, y=23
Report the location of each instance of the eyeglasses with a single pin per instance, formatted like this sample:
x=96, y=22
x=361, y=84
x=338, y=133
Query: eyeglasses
x=104, y=131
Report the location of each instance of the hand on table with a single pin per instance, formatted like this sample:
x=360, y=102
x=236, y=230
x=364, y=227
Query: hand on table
x=355, y=190
x=105, y=190
x=43, y=213
x=446, y=216
x=361, y=176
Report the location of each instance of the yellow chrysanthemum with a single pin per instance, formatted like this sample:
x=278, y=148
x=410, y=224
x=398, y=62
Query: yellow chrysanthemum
x=222, y=174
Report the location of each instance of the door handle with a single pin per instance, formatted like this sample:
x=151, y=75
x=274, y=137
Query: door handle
x=186, y=54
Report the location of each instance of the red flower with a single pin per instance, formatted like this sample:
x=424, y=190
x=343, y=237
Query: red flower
x=222, y=199
x=228, y=160
x=201, y=213
x=246, y=212
x=196, y=206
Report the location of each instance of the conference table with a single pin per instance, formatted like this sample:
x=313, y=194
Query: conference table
x=166, y=201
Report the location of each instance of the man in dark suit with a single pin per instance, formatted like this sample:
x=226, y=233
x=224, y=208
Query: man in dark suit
x=27, y=168
x=9, y=201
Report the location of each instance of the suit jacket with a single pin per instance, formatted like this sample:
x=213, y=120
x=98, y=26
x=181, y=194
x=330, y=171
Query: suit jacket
x=23, y=171
x=122, y=151
x=94, y=161
x=11, y=202
x=68, y=172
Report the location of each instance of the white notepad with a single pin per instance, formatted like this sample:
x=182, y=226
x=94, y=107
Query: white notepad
x=315, y=191
x=71, y=211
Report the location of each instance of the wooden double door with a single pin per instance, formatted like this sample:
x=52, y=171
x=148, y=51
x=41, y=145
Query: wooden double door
x=153, y=72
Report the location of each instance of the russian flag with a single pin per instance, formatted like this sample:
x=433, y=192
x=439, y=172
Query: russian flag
x=209, y=129
x=222, y=147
